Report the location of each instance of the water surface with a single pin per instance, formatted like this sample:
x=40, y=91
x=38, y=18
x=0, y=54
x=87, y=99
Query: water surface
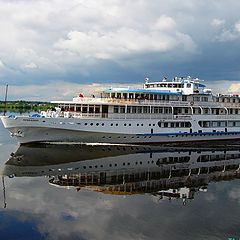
x=118, y=192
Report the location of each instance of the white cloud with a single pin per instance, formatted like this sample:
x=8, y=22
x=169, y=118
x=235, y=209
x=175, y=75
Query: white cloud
x=216, y=22
x=62, y=37
x=164, y=23
x=237, y=27
x=30, y=65
x=1, y=64
x=124, y=41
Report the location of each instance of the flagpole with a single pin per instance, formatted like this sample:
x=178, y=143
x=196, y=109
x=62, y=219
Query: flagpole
x=4, y=193
x=5, y=101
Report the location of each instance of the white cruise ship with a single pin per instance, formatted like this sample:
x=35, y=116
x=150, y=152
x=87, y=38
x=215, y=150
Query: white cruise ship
x=168, y=111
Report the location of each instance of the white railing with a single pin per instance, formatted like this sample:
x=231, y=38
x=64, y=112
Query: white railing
x=168, y=103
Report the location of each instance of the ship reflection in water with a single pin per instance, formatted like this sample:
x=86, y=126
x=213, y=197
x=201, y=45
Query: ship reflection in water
x=164, y=173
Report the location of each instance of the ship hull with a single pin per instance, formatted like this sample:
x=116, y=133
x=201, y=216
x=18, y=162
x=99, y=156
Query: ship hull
x=60, y=131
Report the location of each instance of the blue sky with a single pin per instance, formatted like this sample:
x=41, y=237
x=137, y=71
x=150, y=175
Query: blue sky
x=47, y=43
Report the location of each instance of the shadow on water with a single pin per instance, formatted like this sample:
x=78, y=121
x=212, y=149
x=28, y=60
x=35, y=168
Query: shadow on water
x=163, y=172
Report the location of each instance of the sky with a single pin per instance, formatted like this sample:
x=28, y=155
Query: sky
x=56, y=45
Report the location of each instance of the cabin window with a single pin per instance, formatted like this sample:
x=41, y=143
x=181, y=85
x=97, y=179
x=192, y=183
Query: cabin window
x=97, y=109
x=84, y=109
x=122, y=109
x=188, y=85
x=146, y=109
x=184, y=98
x=78, y=109
x=115, y=109
x=91, y=109
x=134, y=109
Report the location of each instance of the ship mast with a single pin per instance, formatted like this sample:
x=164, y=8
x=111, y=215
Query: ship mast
x=5, y=101
x=4, y=193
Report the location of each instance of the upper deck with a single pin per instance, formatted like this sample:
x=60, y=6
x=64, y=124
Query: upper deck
x=178, y=86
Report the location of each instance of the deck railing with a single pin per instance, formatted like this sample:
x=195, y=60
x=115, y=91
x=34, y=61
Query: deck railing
x=115, y=101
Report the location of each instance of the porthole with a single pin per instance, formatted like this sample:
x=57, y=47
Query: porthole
x=84, y=167
x=125, y=124
x=111, y=124
x=96, y=166
x=116, y=124
x=90, y=166
x=91, y=124
x=142, y=124
x=101, y=166
x=137, y=124
x=110, y=165
x=129, y=124
x=128, y=164
x=97, y=124
x=102, y=124
x=85, y=124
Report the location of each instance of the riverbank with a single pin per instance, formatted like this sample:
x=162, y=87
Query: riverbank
x=25, y=106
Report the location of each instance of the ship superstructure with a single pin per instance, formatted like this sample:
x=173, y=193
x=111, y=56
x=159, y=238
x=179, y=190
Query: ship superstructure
x=177, y=110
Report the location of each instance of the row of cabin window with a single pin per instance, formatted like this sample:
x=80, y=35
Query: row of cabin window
x=200, y=99
x=209, y=124
x=161, y=97
x=142, y=96
x=176, y=110
x=173, y=159
x=116, y=124
x=207, y=158
x=115, y=164
x=228, y=100
x=174, y=124
x=168, y=85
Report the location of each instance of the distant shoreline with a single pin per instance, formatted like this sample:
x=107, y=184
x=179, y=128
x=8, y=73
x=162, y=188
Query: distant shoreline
x=23, y=106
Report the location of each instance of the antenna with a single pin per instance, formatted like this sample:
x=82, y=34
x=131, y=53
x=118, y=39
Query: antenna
x=5, y=101
x=4, y=193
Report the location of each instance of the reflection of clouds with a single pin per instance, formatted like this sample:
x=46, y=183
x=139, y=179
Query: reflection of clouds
x=234, y=194
x=67, y=214
x=210, y=197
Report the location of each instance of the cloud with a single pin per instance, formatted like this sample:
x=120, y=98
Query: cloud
x=30, y=65
x=216, y=22
x=63, y=90
x=125, y=41
x=77, y=40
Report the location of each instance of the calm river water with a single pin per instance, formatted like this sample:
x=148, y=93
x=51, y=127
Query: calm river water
x=118, y=192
